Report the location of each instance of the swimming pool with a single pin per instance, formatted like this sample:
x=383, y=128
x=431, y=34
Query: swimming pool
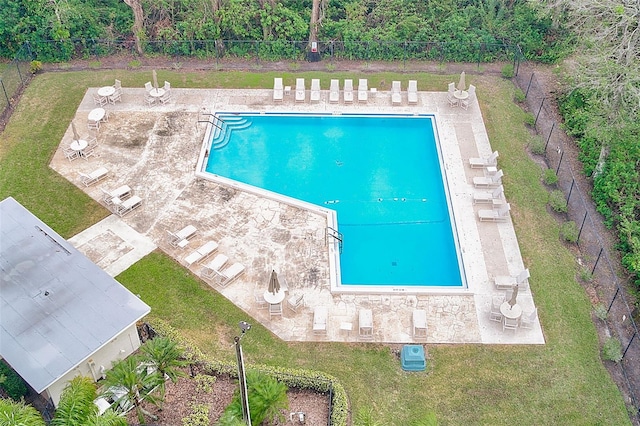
x=382, y=174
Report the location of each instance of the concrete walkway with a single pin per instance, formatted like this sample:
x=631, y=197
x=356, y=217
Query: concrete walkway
x=155, y=151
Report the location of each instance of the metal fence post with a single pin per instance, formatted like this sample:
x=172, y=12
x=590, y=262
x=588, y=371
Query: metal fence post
x=581, y=227
x=596, y=264
x=539, y=111
x=559, y=162
x=526, y=93
x=553, y=125
x=4, y=90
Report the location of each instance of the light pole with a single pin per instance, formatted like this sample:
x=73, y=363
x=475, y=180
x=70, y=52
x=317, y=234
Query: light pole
x=244, y=397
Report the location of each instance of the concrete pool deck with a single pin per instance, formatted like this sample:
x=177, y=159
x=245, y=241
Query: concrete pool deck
x=155, y=151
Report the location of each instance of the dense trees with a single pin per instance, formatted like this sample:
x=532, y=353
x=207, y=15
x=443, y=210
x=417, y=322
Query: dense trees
x=147, y=24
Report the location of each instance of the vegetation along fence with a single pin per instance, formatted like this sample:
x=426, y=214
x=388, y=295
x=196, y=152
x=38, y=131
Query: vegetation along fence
x=584, y=226
x=13, y=78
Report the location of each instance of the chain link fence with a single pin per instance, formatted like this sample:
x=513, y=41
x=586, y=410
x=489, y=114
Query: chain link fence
x=13, y=79
x=600, y=264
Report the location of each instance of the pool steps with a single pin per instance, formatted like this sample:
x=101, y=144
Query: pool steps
x=228, y=125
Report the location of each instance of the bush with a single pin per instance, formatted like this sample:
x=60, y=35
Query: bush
x=199, y=417
x=35, y=66
x=205, y=382
x=537, y=145
x=569, y=231
x=612, y=350
x=601, y=311
x=557, y=201
x=519, y=96
x=530, y=119
x=507, y=71
x=549, y=177
x=13, y=384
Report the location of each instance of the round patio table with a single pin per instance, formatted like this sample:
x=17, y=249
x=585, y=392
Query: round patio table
x=461, y=94
x=156, y=93
x=96, y=114
x=273, y=299
x=510, y=312
x=106, y=91
x=78, y=145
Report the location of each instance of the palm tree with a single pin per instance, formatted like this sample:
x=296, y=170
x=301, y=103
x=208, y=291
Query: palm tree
x=165, y=355
x=135, y=381
x=14, y=413
x=76, y=406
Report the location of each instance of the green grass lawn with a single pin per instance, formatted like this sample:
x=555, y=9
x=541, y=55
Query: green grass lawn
x=560, y=383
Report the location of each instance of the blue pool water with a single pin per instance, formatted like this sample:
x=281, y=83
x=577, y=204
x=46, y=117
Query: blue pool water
x=380, y=173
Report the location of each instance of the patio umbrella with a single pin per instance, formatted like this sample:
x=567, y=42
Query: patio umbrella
x=462, y=84
x=76, y=136
x=274, y=284
x=155, y=79
x=514, y=296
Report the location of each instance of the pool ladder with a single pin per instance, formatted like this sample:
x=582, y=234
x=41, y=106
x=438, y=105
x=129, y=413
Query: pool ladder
x=335, y=235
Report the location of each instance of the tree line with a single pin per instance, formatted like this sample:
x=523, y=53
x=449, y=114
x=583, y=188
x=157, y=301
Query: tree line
x=144, y=23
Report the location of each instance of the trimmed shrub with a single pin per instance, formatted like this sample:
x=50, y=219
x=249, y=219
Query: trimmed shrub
x=537, y=145
x=569, y=231
x=557, y=201
x=601, y=311
x=530, y=120
x=507, y=71
x=549, y=177
x=519, y=96
x=612, y=350
x=199, y=416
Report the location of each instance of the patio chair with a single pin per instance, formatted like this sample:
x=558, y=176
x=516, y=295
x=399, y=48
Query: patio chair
x=480, y=163
x=489, y=197
x=275, y=310
x=295, y=302
x=507, y=282
x=301, y=93
x=212, y=269
x=528, y=319
x=228, y=275
x=278, y=89
x=93, y=177
x=259, y=298
x=453, y=101
x=149, y=100
x=500, y=214
x=116, y=195
x=365, y=324
x=148, y=86
x=412, y=92
x=93, y=124
x=510, y=324
x=70, y=154
x=201, y=253
x=419, y=323
x=89, y=151
x=320, y=314
x=334, y=91
x=167, y=87
x=396, y=93
x=347, y=93
x=182, y=237
x=314, y=95
x=117, y=84
x=166, y=97
x=128, y=206
x=117, y=95
x=363, y=90
x=492, y=181
x=99, y=100
x=495, y=314
x=472, y=94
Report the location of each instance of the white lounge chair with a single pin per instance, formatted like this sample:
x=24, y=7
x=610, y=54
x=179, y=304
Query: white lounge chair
x=506, y=282
x=128, y=205
x=301, y=93
x=93, y=177
x=314, y=95
x=182, y=237
x=201, y=253
x=347, y=93
x=278, y=89
x=419, y=323
x=500, y=214
x=492, y=181
x=491, y=197
x=229, y=274
x=464, y=103
x=212, y=269
x=480, y=163
x=412, y=92
x=396, y=93
x=363, y=90
x=365, y=324
x=334, y=92
x=117, y=195
x=320, y=314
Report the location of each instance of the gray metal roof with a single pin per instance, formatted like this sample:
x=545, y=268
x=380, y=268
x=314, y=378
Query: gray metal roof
x=57, y=307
